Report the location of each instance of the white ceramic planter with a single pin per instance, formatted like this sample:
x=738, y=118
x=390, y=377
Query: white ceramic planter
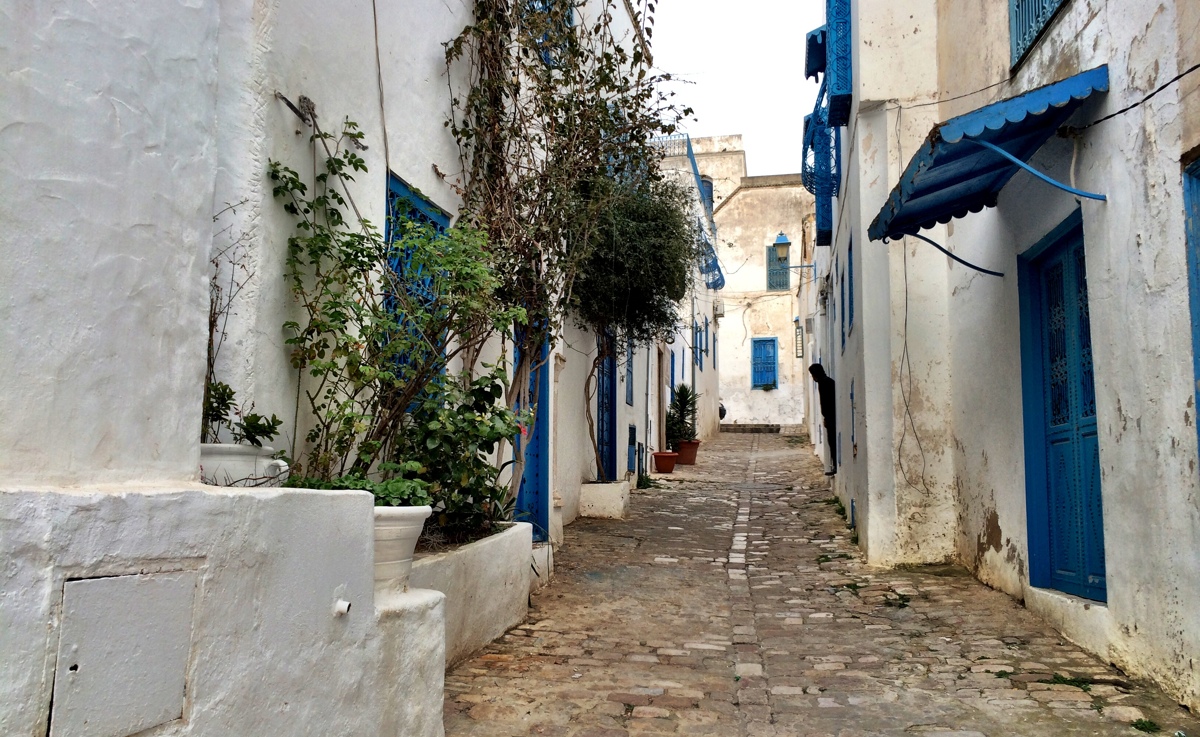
x=228, y=464
x=396, y=533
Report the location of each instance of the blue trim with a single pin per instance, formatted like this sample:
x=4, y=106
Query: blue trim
x=764, y=369
x=839, y=66
x=533, y=496
x=1027, y=19
x=1037, y=471
x=419, y=206
x=1052, y=182
x=629, y=373
x=779, y=276
x=1191, y=200
x=944, y=180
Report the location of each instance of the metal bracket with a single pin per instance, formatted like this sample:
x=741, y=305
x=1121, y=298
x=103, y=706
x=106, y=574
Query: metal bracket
x=1036, y=173
x=968, y=264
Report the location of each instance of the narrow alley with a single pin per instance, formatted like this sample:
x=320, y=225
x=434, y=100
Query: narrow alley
x=733, y=602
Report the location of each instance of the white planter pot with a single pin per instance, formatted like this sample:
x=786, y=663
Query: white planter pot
x=228, y=464
x=396, y=533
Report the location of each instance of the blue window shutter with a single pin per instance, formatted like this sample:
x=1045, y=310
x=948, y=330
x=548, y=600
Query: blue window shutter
x=1026, y=20
x=850, y=284
x=838, y=60
x=672, y=375
x=842, y=299
x=764, y=365
x=778, y=273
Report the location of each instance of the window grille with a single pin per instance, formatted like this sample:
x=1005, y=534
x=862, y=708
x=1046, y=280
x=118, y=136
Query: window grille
x=1027, y=19
x=779, y=276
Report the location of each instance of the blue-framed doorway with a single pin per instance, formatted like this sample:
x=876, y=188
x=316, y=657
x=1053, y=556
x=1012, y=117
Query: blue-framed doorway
x=1062, y=451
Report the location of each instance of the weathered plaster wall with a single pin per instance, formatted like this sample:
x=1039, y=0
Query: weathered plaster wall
x=266, y=650
x=108, y=176
x=723, y=159
x=748, y=223
x=1138, y=297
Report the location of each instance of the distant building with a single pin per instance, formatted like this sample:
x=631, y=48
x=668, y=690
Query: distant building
x=762, y=349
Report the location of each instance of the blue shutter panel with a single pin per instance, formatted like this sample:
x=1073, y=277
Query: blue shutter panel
x=763, y=370
x=1027, y=19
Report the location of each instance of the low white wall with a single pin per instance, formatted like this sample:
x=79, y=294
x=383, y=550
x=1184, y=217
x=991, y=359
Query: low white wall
x=608, y=501
x=265, y=651
x=486, y=584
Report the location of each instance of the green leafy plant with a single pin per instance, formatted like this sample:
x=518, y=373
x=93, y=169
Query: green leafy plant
x=681, y=416
x=549, y=109
x=639, y=267
x=381, y=317
x=1146, y=725
x=451, y=437
x=392, y=492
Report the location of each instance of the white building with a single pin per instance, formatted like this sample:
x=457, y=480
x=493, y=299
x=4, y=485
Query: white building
x=1036, y=424
x=135, y=141
x=764, y=379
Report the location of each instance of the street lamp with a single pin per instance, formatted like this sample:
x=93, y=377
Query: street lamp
x=782, y=245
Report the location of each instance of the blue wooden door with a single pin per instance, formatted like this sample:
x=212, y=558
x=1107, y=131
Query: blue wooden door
x=606, y=411
x=1068, y=472
x=533, y=498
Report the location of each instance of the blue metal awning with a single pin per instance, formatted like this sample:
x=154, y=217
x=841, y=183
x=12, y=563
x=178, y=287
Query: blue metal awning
x=966, y=161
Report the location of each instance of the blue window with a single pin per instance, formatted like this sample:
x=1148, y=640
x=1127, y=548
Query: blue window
x=672, y=374
x=629, y=373
x=838, y=66
x=1191, y=199
x=406, y=203
x=779, y=276
x=631, y=450
x=1026, y=21
x=850, y=286
x=763, y=369
x=842, y=299
x=706, y=193
x=697, y=346
x=707, y=345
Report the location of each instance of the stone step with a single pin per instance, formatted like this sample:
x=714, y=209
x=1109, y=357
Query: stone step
x=751, y=428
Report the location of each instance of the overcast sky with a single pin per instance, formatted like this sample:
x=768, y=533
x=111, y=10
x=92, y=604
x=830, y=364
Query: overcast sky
x=744, y=61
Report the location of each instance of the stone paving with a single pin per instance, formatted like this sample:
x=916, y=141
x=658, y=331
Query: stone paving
x=733, y=602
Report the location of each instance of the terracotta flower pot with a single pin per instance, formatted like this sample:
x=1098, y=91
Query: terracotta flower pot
x=687, y=452
x=664, y=461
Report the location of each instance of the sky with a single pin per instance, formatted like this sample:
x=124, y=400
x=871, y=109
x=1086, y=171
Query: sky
x=742, y=69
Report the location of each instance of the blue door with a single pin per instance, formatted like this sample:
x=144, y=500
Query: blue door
x=606, y=410
x=1062, y=449
x=533, y=498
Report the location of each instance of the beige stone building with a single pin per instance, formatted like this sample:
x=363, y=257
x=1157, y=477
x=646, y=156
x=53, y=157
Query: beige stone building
x=762, y=353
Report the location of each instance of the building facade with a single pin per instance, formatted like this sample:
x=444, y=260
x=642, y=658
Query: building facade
x=1027, y=406
x=762, y=352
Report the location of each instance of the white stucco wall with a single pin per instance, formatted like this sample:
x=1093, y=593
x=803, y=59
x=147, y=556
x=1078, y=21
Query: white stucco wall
x=108, y=163
x=965, y=345
x=266, y=650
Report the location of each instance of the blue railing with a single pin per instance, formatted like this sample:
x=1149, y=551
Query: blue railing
x=680, y=144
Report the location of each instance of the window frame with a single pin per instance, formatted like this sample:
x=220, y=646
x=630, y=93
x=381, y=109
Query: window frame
x=754, y=382
x=778, y=272
x=1018, y=54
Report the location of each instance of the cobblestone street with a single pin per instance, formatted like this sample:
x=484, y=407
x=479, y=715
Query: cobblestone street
x=732, y=602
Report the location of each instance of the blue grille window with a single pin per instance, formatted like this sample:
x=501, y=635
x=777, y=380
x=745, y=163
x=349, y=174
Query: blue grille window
x=763, y=369
x=838, y=60
x=778, y=274
x=850, y=286
x=1026, y=21
x=842, y=300
x=672, y=374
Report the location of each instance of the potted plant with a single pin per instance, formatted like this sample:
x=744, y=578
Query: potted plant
x=681, y=424
x=664, y=461
x=245, y=461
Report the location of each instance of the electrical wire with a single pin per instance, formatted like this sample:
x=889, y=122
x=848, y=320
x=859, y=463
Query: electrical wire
x=1067, y=130
x=387, y=158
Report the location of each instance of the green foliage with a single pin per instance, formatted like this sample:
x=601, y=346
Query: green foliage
x=451, y=436
x=221, y=412
x=1146, y=725
x=392, y=492
x=380, y=319
x=1080, y=683
x=681, y=416
x=547, y=109
x=640, y=260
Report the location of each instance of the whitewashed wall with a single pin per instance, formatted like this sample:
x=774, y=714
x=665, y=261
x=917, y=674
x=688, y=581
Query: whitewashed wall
x=106, y=139
x=963, y=329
